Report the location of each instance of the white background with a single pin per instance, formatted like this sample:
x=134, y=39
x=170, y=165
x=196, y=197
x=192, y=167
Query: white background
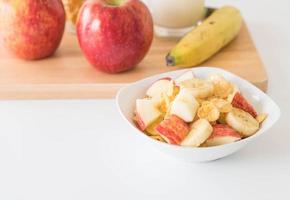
x=81, y=149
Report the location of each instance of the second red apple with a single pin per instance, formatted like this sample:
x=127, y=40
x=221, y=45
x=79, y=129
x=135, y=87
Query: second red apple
x=114, y=35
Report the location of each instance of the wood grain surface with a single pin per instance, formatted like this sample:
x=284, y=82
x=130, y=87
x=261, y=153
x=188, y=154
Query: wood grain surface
x=67, y=74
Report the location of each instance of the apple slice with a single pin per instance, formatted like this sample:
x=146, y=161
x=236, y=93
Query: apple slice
x=184, y=110
x=146, y=113
x=172, y=89
x=151, y=129
x=173, y=129
x=232, y=95
x=222, y=134
x=185, y=105
x=159, y=87
x=240, y=102
x=187, y=95
x=186, y=76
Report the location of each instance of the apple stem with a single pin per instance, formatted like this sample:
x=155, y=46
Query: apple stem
x=114, y=2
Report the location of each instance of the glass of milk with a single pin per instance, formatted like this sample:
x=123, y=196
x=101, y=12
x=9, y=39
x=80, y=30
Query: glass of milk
x=174, y=18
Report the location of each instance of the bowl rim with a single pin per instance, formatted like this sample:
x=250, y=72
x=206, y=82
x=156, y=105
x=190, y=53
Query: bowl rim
x=216, y=69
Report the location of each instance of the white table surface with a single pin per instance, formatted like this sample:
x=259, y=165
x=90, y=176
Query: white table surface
x=81, y=149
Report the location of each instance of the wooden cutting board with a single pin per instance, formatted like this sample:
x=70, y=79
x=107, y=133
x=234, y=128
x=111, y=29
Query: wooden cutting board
x=68, y=75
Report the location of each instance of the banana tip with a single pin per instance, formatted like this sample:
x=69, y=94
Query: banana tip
x=170, y=60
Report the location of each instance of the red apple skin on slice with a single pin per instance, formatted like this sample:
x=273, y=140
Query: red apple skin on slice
x=139, y=122
x=146, y=113
x=222, y=134
x=240, y=102
x=173, y=129
x=166, y=78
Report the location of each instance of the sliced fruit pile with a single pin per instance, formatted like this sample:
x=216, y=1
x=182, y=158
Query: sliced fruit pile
x=190, y=111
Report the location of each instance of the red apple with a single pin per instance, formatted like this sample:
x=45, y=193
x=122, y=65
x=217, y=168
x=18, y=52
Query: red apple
x=114, y=35
x=31, y=29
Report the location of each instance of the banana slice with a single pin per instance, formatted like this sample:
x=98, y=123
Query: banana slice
x=203, y=89
x=200, y=88
x=242, y=122
x=223, y=105
x=200, y=131
x=208, y=111
x=261, y=117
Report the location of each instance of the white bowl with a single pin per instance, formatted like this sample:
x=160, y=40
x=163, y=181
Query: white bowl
x=127, y=96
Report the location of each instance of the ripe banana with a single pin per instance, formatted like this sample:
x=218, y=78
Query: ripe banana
x=200, y=131
x=242, y=122
x=205, y=40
